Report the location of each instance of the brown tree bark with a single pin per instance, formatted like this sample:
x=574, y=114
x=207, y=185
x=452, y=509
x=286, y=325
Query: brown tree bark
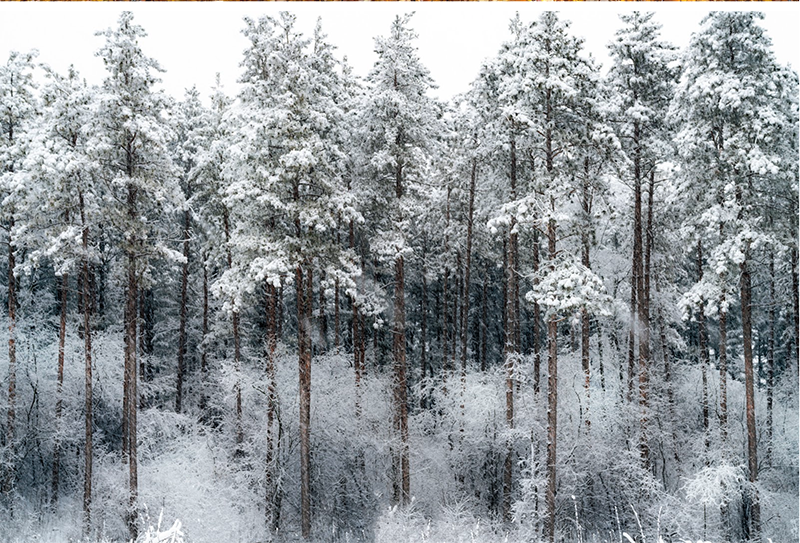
x=322, y=318
x=272, y=488
x=236, y=343
x=130, y=395
x=511, y=333
x=403, y=494
x=702, y=345
x=723, y=370
x=423, y=309
x=88, y=380
x=62, y=334
x=303, y=343
x=400, y=393
x=203, y=346
x=9, y=476
x=552, y=402
x=644, y=325
x=183, y=315
x=770, y=358
x=484, y=330
x=747, y=344
x=586, y=205
x=796, y=304
x=336, y=323
x=467, y=266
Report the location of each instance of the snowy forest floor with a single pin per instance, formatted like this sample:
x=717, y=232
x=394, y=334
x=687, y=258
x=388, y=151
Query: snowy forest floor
x=188, y=472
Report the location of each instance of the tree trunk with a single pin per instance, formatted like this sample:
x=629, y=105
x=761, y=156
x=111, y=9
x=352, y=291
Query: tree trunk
x=510, y=349
x=537, y=319
x=88, y=382
x=552, y=402
x=747, y=345
x=272, y=513
x=400, y=394
x=182, y=326
x=423, y=309
x=723, y=370
x=62, y=334
x=467, y=265
x=130, y=385
x=770, y=357
x=336, y=338
x=796, y=304
x=702, y=345
x=236, y=343
x=644, y=325
x=203, y=346
x=359, y=346
x=484, y=335
x=9, y=476
x=586, y=204
x=322, y=318
x=303, y=310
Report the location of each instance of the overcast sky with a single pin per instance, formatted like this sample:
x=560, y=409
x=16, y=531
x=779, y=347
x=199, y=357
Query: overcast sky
x=195, y=41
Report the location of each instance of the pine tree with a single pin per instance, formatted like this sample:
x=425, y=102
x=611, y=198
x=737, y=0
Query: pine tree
x=289, y=192
x=17, y=109
x=728, y=105
x=400, y=124
x=61, y=199
x=131, y=145
x=641, y=80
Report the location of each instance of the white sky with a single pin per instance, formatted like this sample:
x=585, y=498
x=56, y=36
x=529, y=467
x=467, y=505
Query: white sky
x=193, y=41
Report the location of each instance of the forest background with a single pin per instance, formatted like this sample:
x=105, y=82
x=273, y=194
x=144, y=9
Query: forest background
x=560, y=306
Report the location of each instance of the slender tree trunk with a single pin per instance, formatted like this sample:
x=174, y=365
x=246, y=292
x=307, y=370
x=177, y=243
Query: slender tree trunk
x=62, y=334
x=446, y=362
x=130, y=393
x=9, y=476
x=400, y=394
x=203, y=345
x=88, y=382
x=552, y=402
x=359, y=346
x=272, y=514
x=467, y=266
x=796, y=300
x=702, y=345
x=305, y=399
x=636, y=265
x=510, y=350
x=236, y=344
x=336, y=322
x=537, y=319
x=770, y=357
x=182, y=326
x=586, y=204
x=644, y=326
x=323, y=319
x=424, y=324
x=484, y=335
x=723, y=370
x=399, y=356
x=747, y=344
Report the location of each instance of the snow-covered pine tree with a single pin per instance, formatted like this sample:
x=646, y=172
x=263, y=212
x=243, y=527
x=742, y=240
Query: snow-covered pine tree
x=18, y=107
x=400, y=123
x=729, y=107
x=288, y=193
x=562, y=80
x=641, y=81
x=130, y=141
x=62, y=210
x=189, y=119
